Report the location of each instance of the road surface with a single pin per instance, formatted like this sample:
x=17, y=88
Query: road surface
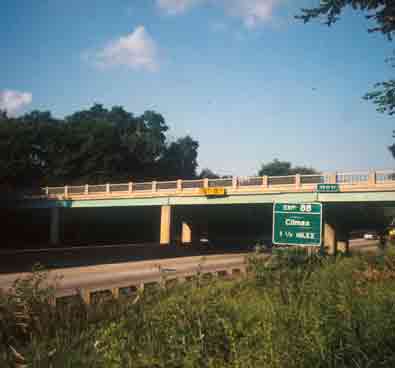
x=23, y=260
x=362, y=245
x=69, y=280
x=107, y=276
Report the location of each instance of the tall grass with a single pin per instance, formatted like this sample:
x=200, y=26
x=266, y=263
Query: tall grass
x=294, y=311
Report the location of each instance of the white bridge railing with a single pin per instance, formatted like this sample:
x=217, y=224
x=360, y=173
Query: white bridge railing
x=367, y=179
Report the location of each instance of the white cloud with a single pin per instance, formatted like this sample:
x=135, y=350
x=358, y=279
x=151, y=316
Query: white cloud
x=12, y=101
x=252, y=12
x=136, y=50
x=177, y=6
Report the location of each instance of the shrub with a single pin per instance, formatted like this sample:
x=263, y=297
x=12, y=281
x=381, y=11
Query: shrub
x=296, y=311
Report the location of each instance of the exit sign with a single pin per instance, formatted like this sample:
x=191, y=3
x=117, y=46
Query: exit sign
x=297, y=224
x=328, y=188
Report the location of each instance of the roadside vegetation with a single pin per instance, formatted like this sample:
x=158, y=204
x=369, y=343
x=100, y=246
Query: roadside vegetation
x=292, y=311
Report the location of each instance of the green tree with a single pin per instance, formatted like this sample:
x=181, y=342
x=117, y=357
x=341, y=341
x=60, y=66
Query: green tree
x=91, y=146
x=208, y=174
x=384, y=94
x=180, y=159
x=24, y=153
x=382, y=13
x=283, y=168
x=109, y=145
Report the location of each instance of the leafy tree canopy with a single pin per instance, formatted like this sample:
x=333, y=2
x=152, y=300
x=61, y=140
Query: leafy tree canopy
x=283, y=168
x=382, y=13
x=180, y=159
x=97, y=145
x=208, y=174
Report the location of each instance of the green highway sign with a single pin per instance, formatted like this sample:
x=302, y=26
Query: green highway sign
x=297, y=224
x=328, y=188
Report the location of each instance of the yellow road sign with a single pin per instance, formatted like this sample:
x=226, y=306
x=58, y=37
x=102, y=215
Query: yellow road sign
x=214, y=191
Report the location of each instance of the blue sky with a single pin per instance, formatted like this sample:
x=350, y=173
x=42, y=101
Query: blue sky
x=242, y=77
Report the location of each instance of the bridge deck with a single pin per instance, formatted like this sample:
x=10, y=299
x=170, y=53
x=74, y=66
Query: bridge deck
x=374, y=181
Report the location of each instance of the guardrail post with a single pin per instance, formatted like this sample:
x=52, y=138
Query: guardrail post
x=179, y=185
x=297, y=181
x=205, y=183
x=86, y=189
x=234, y=183
x=265, y=181
x=130, y=187
x=154, y=185
x=108, y=188
x=66, y=191
x=372, y=178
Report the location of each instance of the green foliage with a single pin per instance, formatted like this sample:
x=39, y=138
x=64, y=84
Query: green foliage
x=208, y=174
x=33, y=332
x=383, y=97
x=91, y=146
x=382, y=12
x=180, y=159
x=283, y=168
x=296, y=311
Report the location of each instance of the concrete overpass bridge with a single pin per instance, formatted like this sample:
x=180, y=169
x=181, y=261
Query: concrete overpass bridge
x=184, y=209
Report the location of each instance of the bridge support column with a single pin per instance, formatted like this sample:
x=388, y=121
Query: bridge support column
x=186, y=233
x=165, y=225
x=343, y=239
x=330, y=238
x=343, y=246
x=54, y=226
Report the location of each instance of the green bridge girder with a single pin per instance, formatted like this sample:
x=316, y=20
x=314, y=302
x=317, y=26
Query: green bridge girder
x=135, y=219
x=387, y=197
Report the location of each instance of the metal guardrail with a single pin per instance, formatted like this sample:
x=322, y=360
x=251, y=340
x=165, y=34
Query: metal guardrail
x=385, y=176
x=228, y=182
x=250, y=182
x=192, y=184
x=118, y=187
x=102, y=188
x=235, y=183
x=162, y=278
x=81, y=189
x=55, y=191
x=352, y=178
x=166, y=185
x=314, y=179
x=281, y=180
x=141, y=187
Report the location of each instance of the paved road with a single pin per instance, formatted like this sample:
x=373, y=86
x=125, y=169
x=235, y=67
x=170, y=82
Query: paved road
x=362, y=245
x=123, y=274
x=23, y=260
x=69, y=280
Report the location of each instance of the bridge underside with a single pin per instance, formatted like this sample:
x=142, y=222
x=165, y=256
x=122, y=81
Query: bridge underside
x=186, y=223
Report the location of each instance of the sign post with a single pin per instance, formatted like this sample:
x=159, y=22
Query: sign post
x=297, y=224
